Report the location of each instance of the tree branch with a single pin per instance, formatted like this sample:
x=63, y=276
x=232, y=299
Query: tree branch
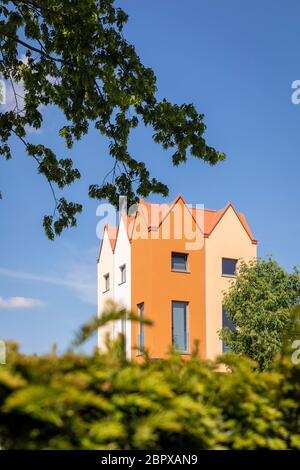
x=38, y=162
x=34, y=49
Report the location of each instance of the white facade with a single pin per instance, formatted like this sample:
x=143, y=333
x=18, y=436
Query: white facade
x=122, y=290
x=105, y=266
x=111, y=261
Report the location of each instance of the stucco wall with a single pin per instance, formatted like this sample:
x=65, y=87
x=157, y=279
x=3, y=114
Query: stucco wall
x=122, y=292
x=105, y=265
x=228, y=240
x=156, y=285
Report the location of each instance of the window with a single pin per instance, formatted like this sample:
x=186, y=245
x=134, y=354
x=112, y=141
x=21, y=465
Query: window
x=179, y=262
x=123, y=331
x=228, y=267
x=141, y=336
x=226, y=322
x=123, y=326
x=179, y=326
x=122, y=273
x=106, y=282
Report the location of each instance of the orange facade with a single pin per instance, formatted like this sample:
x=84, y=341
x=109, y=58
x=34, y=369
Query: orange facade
x=156, y=285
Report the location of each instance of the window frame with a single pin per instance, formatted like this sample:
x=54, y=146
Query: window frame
x=187, y=338
x=122, y=269
x=222, y=266
x=180, y=254
x=106, y=278
x=141, y=328
x=124, y=331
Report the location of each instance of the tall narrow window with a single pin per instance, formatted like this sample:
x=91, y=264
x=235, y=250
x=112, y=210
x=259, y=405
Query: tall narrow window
x=179, y=326
x=179, y=262
x=226, y=322
x=141, y=335
x=123, y=326
x=123, y=331
x=106, y=282
x=229, y=267
x=122, y=273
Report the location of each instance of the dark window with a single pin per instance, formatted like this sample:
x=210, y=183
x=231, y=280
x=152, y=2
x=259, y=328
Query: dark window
x=106, y=282
x=229, y=267
x=226, y=322
x=123, y=330
x=179, y=326
x=141, y=335
x=122, y=273
x=123, y=326
x=179, y=262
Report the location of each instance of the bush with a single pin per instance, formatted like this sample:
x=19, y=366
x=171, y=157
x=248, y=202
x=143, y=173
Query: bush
x=102, y=401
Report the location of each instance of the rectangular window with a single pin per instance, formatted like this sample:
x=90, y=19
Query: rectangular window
x=229, y=267
x=179, y=326
x=122, y=273
x=141, y=335
x=106, y=282
x=226, y=322
x=123, y=326
x=179, y=262
x=123, y=331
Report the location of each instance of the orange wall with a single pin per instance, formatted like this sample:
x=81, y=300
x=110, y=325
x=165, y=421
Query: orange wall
x=156, y=285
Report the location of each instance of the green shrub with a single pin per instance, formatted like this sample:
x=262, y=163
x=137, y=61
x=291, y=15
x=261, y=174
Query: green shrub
x=103, y=401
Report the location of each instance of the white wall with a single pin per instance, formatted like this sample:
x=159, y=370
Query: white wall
x=122, y=292
x=105, y=265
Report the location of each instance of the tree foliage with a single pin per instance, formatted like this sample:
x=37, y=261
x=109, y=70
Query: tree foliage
x=103, y=401
x=258, y=303
x=77, y=59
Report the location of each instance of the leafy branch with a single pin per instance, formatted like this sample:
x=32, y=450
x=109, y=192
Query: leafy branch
x=78, y=61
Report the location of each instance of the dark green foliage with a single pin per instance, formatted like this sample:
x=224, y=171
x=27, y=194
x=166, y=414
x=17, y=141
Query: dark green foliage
x=75, y=401
x=78, y=60
x=259, y=303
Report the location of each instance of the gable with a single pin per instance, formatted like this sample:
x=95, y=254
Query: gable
x=122, y=238
x=230, y=223
x=105, y=245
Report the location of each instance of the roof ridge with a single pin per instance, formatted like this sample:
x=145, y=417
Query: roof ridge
x=211, y=219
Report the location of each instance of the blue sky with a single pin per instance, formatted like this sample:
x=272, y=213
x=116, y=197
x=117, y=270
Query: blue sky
x=236, y=62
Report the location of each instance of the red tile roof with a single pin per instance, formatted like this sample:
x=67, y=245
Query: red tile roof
x=112, y=235
x=211, y=220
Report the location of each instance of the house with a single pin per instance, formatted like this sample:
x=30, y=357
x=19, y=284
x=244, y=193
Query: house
x=171, y=263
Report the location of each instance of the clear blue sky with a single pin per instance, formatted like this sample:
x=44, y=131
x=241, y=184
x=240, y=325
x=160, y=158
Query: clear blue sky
x=236, y=61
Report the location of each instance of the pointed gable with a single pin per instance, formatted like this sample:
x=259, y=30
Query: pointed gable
x=154, y=215
x=213, y=217
x=112, y=235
